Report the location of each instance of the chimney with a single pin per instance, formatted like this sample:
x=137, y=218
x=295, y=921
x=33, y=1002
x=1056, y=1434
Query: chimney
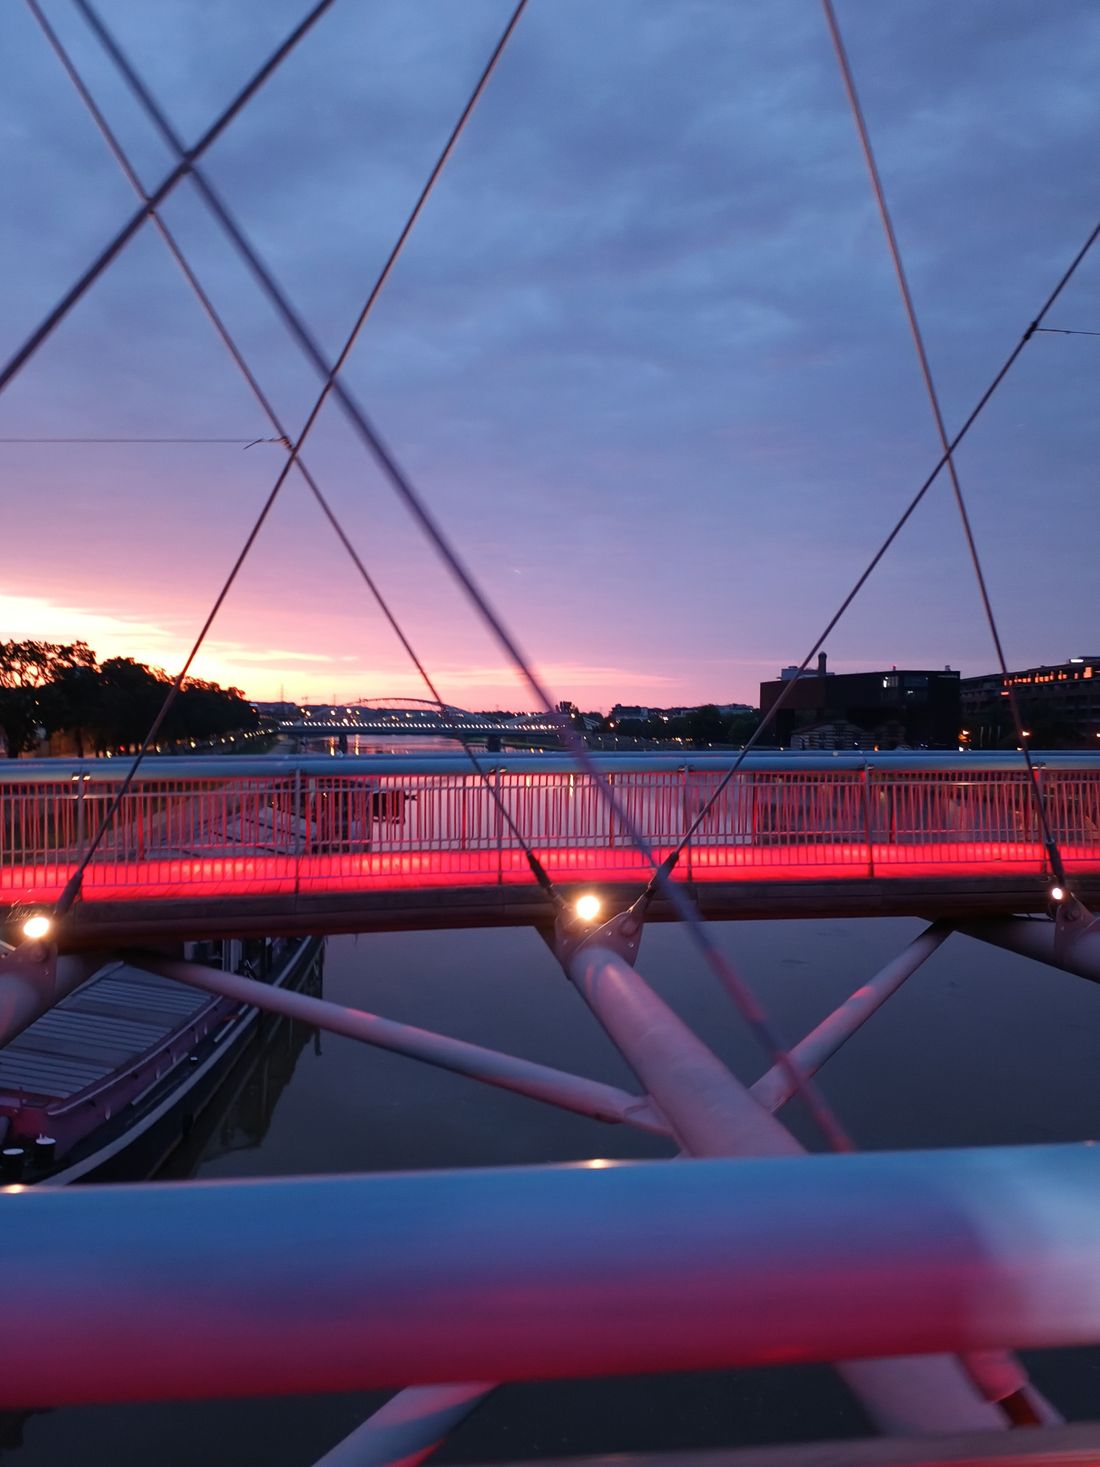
x=821, y=664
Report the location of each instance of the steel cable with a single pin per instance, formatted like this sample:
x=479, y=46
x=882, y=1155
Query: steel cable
x=1050, y=843
x=188, y=157
x=73, y=887
x=769, y=718
x=244, y=442
x=737, y=988
x=1019, y=1408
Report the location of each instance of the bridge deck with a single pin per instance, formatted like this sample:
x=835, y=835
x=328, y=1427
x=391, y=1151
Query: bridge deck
x=176, y=877
x=271, y=895
x=343, y=845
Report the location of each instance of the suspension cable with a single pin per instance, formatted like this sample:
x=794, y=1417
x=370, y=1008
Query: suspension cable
x=244, y=442
x=735, y=986
x=1064, y=331
x=186, y=161
x=903, y=519
x=1054, y=855
x=294, y=450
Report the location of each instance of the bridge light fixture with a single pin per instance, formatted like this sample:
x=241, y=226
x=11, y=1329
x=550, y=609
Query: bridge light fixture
x=588, y=907
x=36, y=927
x=1057, y=893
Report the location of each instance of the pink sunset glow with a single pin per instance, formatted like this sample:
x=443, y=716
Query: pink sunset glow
x=650, y=378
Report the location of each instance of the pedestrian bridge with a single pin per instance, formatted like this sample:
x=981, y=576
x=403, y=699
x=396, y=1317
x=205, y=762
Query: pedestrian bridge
x=267, y=844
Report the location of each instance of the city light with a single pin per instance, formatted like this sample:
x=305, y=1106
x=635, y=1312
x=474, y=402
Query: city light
x=588, y=907
x=1057, y=893
x=36, y=927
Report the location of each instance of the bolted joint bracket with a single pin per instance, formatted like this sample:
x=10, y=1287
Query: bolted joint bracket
x=34, y=960
x=1072, y=920
x=621, y=933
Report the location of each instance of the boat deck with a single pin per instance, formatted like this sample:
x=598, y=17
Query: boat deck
x=103, y=1028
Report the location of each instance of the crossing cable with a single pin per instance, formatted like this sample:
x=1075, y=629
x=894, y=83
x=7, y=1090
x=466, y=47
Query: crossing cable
x=1054, y=855
x=736, y=987
x=244, y=442
x=1064, y=331
x=294, y=458
x=1020, y=1410
x=188, y=157
x=903, y=519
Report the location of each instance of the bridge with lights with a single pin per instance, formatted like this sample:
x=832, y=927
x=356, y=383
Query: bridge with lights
x=266, y=844
x=918, y=1276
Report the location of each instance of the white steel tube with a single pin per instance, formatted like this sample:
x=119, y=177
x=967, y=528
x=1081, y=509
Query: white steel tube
x=1076, y=949
x=408, y=1428
x=352, y=1283
x=774, y=1089
x=711, y=1113
x=524, y=1077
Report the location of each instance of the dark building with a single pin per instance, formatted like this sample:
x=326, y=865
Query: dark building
x=918, y=708
x=1059, y=706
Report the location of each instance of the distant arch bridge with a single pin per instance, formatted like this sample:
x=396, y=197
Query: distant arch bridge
x=391, y=717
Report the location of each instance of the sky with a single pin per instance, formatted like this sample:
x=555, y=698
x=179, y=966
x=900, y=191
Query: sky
x=643, y=356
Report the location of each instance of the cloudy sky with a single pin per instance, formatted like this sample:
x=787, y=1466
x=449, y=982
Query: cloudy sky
x=643, y=355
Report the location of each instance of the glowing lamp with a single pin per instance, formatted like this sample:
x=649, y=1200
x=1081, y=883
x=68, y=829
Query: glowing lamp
x=36, y=927
x=1057, y=893
x=588, y=907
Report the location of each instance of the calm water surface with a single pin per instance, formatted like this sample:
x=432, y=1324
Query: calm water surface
x=978, y=1048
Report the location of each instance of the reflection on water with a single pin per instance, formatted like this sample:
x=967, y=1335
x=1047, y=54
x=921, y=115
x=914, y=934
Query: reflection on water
x=978, y=1048
x=379, y=744
x=241, y=1115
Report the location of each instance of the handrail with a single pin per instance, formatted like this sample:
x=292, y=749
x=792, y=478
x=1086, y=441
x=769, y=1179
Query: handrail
x=377, y=822
x=932, y=761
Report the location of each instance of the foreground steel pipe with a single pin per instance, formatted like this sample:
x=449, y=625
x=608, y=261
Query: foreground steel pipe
x=538, y=1082
x=350, y=1283
x=408, y=1428
x=774, y=1089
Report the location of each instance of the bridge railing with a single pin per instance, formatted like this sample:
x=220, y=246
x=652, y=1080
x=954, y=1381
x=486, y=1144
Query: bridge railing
x=205, y=822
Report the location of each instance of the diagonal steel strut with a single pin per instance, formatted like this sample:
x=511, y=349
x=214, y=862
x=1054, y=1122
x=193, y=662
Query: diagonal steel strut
x=508, y=1072
x=774, y=1088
